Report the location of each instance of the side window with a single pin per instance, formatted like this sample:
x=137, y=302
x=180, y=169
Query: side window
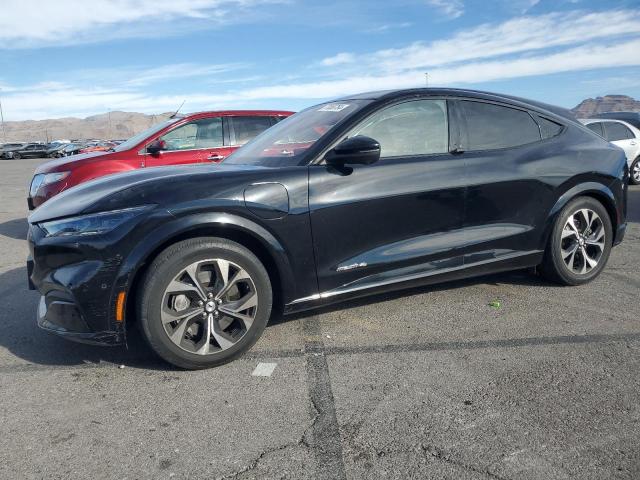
x=203, y=133
x=596, y=127
x=247, y=128
x=412, y=128
x=181, y=138
x=616, y=131
x=491, y=126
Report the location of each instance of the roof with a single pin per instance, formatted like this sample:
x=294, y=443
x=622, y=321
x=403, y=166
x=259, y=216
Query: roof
x=232, y=113
x=384, y=94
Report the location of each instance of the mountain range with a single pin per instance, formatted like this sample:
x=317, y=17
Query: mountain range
x=122, y=125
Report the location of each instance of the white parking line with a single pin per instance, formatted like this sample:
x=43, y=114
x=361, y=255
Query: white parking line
x=264, y=369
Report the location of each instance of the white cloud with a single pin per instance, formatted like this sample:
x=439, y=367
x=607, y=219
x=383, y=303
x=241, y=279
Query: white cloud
x=521, y=47
x=517, y=35
x=339, y=59
x=448, y=8
x=36, y=23
x=65, y=100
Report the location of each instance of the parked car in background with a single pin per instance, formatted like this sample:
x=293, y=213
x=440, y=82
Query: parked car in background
x=625, y=136
x=72, y=149
x=29, y=150
x=363, y=195
x=55, y=150
x=205, y=137
x=98, y=147
x=8, y=147
x=630, y=117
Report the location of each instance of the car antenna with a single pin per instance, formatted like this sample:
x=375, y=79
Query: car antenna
x=176, y=112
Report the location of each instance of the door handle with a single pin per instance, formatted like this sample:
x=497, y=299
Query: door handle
x=216, y=157
x=632, y=143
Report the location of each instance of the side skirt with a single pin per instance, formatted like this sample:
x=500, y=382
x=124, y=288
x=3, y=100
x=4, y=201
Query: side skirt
x=503, y=264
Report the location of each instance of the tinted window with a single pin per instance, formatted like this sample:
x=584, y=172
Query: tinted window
x=617, y=131
x=247, y=128
x=548, y=128
x=491, y=126
x=596, y=127
x=204, y=133
x=410, y=128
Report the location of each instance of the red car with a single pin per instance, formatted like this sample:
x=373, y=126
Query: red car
x=197, y=138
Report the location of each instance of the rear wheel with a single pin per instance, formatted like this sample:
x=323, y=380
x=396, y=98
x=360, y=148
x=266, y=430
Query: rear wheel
x=634, y=173
x=580, y=243
x=204, y=302
x=16, y=156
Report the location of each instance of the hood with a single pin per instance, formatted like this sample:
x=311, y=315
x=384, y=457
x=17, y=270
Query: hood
x=137, y=187
x=59, y=164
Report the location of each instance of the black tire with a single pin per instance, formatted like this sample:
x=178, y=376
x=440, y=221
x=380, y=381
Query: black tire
x=634, y=180
x=169, y=264
x=16, y=156
x=553, y=266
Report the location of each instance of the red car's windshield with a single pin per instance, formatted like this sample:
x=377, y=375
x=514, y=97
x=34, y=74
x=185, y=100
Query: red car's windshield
x=286, y=143
x=136, y=139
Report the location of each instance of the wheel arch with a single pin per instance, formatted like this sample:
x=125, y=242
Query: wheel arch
x=595, y=190
x=231, y=227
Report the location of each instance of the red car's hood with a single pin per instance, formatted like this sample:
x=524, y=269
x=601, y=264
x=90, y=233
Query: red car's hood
x=67, y=163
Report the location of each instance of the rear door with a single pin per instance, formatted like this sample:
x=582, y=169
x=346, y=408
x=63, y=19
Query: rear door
x=506, y=199
x=620, y=135
x=399, y=218
x=189, y=143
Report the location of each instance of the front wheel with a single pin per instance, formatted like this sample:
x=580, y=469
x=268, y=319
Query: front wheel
x=204, y=302
x=580, y=243
x=634, y=173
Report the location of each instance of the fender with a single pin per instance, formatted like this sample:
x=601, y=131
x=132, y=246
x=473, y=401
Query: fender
x=172, y=227
x=595, y=189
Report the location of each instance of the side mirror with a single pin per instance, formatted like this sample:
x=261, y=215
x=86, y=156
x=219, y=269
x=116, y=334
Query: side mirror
x=355, y=150
x=156, y=147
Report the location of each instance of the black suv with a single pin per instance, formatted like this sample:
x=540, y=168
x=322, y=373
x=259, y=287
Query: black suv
x=30, y=150
x=369, y=193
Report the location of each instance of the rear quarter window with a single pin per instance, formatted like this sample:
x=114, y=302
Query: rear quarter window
x=490, y=126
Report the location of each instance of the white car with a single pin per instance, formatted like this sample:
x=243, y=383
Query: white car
x=622, y=134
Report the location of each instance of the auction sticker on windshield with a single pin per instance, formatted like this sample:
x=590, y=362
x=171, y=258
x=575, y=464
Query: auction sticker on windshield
x=333, y=107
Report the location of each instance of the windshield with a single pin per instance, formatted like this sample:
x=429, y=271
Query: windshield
x=136, y=139
x=286, y=143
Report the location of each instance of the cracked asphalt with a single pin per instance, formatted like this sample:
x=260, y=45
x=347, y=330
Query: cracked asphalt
x=426, y=383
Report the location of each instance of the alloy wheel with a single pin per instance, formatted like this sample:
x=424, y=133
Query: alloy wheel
x=209, y=306
x=582, y=241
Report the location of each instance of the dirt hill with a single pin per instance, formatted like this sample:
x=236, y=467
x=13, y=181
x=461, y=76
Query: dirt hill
x=114, y=125
x=608, y=103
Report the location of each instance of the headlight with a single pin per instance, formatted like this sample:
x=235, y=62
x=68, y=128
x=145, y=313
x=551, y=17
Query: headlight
x=93, y=224
x=43, y=179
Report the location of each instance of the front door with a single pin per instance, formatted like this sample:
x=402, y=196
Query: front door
x=397, y=219
x=191, y=142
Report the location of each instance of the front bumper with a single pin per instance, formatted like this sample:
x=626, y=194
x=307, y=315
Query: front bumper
x=63, y=318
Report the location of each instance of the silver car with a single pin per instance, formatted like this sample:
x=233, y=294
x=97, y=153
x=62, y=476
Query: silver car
x=622, y=134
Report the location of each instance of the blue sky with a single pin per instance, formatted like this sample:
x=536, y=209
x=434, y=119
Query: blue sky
x=82, y=57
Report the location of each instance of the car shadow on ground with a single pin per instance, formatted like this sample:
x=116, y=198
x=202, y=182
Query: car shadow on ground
x=20, y=335
x=525, y=277
x=16, y=228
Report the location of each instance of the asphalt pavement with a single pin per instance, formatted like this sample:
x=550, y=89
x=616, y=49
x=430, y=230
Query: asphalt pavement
x=425, y=383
